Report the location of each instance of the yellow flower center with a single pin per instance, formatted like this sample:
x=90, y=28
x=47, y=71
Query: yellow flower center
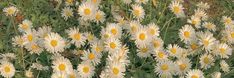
x=34, y=47
x=7, y=69
x=222, y=50
x=142, y=36
x=176, y=9
x=205, y=42
x=86, y=69
x=87, y=11
x=114, y=31
x=54, y=43
x=10, y=11
x=136, y=12
x=156, y=44
x=232, y=34
x=77, y=36
x=68, y=13
x=206, y=60
x=94, y=1
x=194, y=22
x=62, y=67
x=173, y=50
x=194, y=76
x=72, y=76
x=182, y=66
x=98, y=49
x=152, y=31
x=161, y=54
x=112, y=45
x=115, y=71
x=98, y=16
x=144, y=50
x=133, y=28
x=228, y=21
x=91, y=56
x=164, y=67
x=25, y=26
x=186, y=34
x=106, y=36
x=30, y=37
x=69, y=1
x=193, y=46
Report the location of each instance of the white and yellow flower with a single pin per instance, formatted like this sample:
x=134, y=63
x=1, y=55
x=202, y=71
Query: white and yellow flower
x=25, y=26
x=227, y=21
x=99, y=16
x=206, y=61
x=184, y=65
x=177, y=8
x=92, y=57
x=114, y=30
x=224, y=66
x=138, y=11
x=210, y=26
x=174, y=50
x=112, y=45
x=165, y=69
x=10, y=11
x=54, y=43
x=116, y=70
x=67, y=13
x=62, y=65
x=77, y=37
x=87, y=11
x=187, y=33
x=141, y=37
x=195, y=21
x=144, y=51
x=207, y=40
x=7, y=69
x=85, y=70
x=195, y=73
x=153, y=29
x=223, y=50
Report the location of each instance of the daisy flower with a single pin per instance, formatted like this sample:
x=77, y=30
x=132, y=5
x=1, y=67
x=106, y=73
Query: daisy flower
x=195, y=21
x=200, y=13
x=141, y=1
x=174, y=50
x=141, y=37
x=90, y=37
x=223, y=50
x=99, y=16
x=116, y=70
x=39, y=66
x=227, y=21
x=224, y=66
x=153, y=29
x=121, y=21
x=144, y=51
x=210, y=26
x=229, y=34
x=8, y=56
x=216, y=75
x=177, y=8
x=18, y=41
x=105, y=34
x=195, y=73
x=156, y=43
x=114, y=30
x=69, y=2
x=203, y=5
x=193, y=45
x=184, y=65
x=134, y=26
x=207, y=40
x=34, y=48
x=43, y=31
x=77, y=37
x=138, y=11
x=206, y=61
x=7, y=69
x=54, y=43
x=86, y=11
x=187, y=33
x=91, y=57
x=112, y=45
x=30, y=36
x=165, y=68
x=94, y=2
x=126, y=1
x=26, y=25
x=62, y=65
x=160, y=55
x=10, y=11
x=85, y=70
x=97, y=46
x=67, y=13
